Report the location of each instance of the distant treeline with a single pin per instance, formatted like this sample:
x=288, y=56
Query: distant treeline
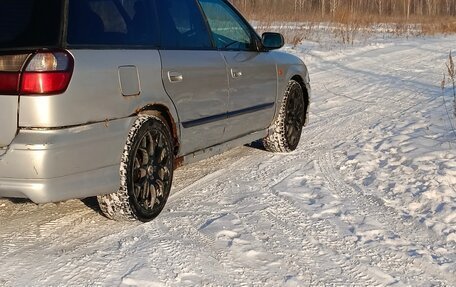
x=327, y=9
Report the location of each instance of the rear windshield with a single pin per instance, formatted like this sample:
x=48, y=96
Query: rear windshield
x=29, y=23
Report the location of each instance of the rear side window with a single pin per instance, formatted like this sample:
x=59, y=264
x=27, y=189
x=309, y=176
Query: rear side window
x=182, y=26
x=111, y=22
x=30, y=23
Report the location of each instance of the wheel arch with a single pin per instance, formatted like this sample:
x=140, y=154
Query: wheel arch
x=163, y=112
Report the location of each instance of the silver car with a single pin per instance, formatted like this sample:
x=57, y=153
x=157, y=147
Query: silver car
x=107, y=98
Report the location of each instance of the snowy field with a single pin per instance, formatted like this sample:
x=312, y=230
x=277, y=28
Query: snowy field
x=368, y=199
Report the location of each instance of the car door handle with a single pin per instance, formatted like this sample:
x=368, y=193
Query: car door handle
x=175, y=77
x=236, y=73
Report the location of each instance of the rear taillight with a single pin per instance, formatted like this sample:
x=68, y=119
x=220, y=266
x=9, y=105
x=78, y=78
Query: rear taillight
x=12, y=63
x=10, y=71
x=41, y=73
x=9, y=82
x=47, y=73
x=45, y=83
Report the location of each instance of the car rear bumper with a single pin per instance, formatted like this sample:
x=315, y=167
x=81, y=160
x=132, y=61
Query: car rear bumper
x=81, y=185
x=51, y=165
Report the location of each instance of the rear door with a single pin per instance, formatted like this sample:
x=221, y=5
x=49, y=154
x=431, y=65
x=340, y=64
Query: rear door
x=252, y=74
x=24, y=26
x=194, y=74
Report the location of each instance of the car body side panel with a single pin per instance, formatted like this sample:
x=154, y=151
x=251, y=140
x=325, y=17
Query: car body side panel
x=199, y=91
x=8, y=119
x=253, y=91
x=95, y=91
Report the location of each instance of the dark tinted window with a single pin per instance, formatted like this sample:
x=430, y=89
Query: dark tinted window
x=29, y=23
x=182, y=25
x=111, y=22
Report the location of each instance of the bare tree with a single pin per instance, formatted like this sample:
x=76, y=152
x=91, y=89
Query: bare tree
x=334, y=4
x=380, y=7
x=407, y=8
x=323, y=8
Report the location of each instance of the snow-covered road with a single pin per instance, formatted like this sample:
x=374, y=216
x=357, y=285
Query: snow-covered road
x=368, y=199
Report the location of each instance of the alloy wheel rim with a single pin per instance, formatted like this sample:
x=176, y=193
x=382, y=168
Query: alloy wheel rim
x=151, y=172
x=294, y=118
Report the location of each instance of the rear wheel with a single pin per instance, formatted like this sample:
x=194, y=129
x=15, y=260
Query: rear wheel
x=285, y=132
x=146, y=173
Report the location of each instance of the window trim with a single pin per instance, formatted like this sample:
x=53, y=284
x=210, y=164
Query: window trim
x=64, y=24
x=206, y=23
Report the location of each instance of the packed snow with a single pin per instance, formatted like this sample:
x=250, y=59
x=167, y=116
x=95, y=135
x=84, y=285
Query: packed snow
x=368, y=199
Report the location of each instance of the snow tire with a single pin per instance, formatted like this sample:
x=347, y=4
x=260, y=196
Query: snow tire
x=285, y=132
x=146, y=172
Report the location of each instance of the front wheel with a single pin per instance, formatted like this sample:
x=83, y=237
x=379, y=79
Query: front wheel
x=285, y=132
x=146, y=173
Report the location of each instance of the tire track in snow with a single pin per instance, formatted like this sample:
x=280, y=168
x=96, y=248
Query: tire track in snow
x=362, y=273
x=30, y=236
x=370, y=205
x=393, y=257
x=296, y=259
x=264, y=175
x=405, y=104
x=237, y=272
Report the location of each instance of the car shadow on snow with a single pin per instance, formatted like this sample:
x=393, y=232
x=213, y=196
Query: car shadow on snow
x=18, y=200
x=92, y=203
x=256, y=145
